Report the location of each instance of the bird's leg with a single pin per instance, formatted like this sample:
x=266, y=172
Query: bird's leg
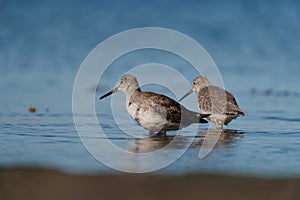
x=220, y=124
x=162, y=133
x=217, y=124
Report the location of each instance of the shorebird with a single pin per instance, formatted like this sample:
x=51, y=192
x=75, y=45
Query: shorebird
x=156, y=113
x=217, y=102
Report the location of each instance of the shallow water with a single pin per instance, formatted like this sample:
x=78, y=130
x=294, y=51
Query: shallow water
x=43, y=45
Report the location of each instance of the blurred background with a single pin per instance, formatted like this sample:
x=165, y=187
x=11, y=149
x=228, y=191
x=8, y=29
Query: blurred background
x=255, y=44
x=44, y=42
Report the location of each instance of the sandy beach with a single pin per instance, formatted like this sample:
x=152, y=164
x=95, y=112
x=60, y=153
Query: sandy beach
x=26, y=183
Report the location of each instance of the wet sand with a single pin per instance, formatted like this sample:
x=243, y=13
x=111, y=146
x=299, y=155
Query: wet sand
x=48, y=184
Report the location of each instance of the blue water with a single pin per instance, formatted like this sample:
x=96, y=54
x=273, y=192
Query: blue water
x=255, y=45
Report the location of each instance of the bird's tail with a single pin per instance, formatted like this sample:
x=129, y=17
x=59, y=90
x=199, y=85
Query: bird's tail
x=201, y=118
x=241, y=113
x=189, y=117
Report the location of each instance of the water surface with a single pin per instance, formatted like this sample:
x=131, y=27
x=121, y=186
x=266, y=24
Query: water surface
x=254, y=44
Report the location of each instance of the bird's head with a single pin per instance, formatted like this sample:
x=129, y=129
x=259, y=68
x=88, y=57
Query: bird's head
x=127, y=84
x=198, y=83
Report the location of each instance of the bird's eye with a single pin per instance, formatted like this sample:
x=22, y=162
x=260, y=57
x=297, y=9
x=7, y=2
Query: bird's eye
x=194, y=83
x=121, y=82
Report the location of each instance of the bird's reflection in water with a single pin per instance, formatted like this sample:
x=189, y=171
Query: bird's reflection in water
x=153, y=143
x=210, y=138
x=216, y=137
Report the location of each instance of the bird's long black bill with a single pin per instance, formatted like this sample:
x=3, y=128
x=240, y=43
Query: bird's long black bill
x=109, y=93
x=187, y=94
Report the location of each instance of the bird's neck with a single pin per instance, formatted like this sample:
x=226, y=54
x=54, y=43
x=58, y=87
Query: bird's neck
x=129, y=93
x=201, y=87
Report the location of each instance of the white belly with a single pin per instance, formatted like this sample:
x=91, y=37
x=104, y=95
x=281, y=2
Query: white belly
x=148, y=119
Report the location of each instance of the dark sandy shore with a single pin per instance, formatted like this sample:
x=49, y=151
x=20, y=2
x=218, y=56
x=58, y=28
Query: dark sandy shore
x=47, y=184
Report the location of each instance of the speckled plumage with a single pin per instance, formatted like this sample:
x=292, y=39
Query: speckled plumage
x=211, y=100
x=217, y=102
x=155, y=112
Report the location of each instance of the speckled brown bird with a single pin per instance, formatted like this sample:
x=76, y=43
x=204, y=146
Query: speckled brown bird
x=154, y=112
x=217, y=102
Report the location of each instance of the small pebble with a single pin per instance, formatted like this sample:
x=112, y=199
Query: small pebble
x=32, y=109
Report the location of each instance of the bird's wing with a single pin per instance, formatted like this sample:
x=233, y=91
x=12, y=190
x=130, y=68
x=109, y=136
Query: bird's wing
x=163, y=105
x=174, y=111
x=213, y=99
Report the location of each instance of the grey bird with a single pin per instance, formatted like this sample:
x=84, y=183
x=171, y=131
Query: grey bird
x=217, y=102
x=154, y=112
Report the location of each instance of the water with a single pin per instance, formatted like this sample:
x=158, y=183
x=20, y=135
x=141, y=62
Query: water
x=255, y=45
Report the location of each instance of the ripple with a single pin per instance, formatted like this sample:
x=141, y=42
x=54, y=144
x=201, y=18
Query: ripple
x=282, y=119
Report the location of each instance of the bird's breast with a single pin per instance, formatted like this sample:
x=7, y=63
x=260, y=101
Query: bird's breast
x=146, y=116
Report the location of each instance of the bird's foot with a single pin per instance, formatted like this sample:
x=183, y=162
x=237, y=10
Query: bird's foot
x=159, y=134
